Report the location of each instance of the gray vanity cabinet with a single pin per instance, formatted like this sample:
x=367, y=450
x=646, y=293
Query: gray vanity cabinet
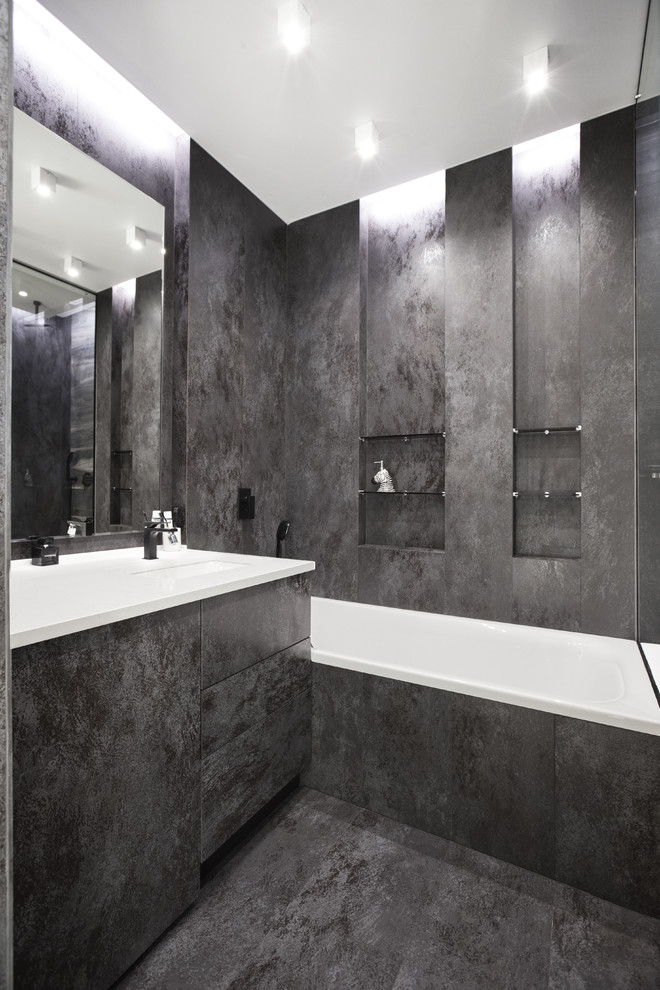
x=108, y=744
x=106, y=796
x=256, y=678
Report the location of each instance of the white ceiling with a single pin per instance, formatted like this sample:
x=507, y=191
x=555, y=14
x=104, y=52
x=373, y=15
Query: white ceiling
x=46, y=231
x=441, y=79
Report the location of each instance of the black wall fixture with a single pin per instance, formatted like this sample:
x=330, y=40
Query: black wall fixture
x=245, y=503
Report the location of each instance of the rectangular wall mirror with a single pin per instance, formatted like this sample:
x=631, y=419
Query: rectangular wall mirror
x=86, y=342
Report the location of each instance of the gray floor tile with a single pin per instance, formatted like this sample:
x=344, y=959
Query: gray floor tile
x=327, y=896
x=227, y=923
x=597, y=945
x=478, y=933
x=587, y=955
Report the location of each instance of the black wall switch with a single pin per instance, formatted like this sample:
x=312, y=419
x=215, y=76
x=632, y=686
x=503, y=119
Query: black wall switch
x=245, y=503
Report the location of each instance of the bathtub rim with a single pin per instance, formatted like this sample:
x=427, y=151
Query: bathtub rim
x=638, y=710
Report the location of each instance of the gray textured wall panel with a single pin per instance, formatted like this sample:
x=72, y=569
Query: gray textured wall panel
x=322, y=397
x=179, y=341
x=647, y=231
x=41, y=420
x=546, y=212
x=607, y=812
x=235, y=362
x=546, y=593
x=608, y=374
x=405, y=308
x=215, y=355
x=479, y=388
x=147, y=349
x=402, y=578
x=264, y=342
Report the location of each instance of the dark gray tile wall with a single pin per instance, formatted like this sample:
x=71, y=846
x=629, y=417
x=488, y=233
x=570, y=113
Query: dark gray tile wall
x=337, y=721
x=410, y=721
x=235, y=425
x=546, y=593
x=546, y=231
x=322, y=428
x=5, y=503
x=607, y=368
x=215, y=355
x=264, y=341
x=250, y=625
x=106, y=795
x=179, y=344
x=479, y=388
x=477, y=772
x=647, y=234
x=607, y=812
x=41, y=416
x=402, y=578
x=103, y=412
x=502, y=786
x=128, y=397
x=404, y=329
x=83, y=334
x=526, y=242
x=566, y=798
x=145, y=406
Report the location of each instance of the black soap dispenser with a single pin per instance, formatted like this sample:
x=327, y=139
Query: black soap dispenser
x=45, y=552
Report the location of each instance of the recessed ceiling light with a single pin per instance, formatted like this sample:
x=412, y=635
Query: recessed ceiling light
x=294, y=26
x=73, y=266
x=366, y=140
x=136, y=238
x=43, y=182
x=535, y=70
x=22, y=292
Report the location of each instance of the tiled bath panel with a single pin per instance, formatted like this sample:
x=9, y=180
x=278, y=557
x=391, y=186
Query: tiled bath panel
x=327, y=896
x=567, y=798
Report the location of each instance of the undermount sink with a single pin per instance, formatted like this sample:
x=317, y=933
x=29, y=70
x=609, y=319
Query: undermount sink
x=181, y=572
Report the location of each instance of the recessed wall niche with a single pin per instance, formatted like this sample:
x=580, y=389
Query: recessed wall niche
x=546, y=228
x=402, y=364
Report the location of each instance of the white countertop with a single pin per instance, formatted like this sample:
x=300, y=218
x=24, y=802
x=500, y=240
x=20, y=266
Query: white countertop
x=93, y=589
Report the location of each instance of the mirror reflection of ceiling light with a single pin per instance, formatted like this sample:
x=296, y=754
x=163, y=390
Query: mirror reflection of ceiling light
x=43, y=182
x=73, y=266
x=366, y=140
x=535, y=70
x=294, y=26
x=136, y=238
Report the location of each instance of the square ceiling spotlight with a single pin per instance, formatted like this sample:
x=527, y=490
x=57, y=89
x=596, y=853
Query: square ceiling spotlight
x=366, y=140
x=294, y=26
x=73, y=266
x=535, y=70
x=136, y=238
x=43, y=182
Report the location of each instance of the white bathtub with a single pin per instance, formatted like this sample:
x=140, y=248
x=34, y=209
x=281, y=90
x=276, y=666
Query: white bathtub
x=595, y=678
